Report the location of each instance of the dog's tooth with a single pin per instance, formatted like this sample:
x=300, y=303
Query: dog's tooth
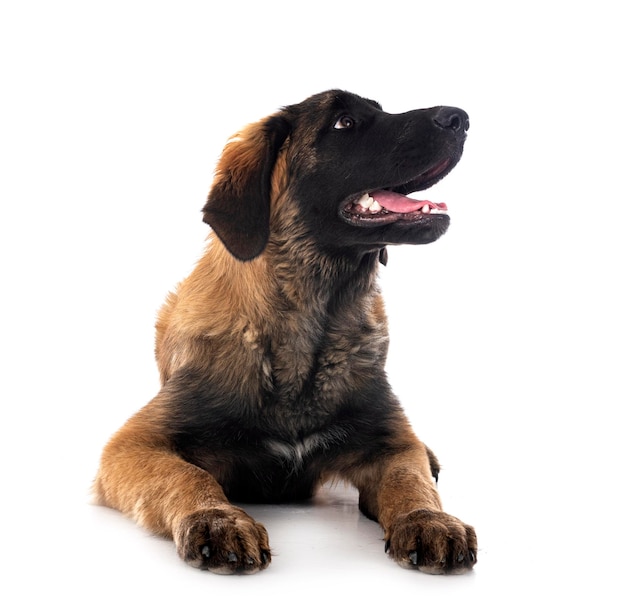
x=375, y=207
x=426, y=208
x=364, y=200
x=367, y=205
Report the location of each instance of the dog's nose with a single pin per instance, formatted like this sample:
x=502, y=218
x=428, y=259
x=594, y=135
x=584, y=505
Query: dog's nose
x=451, y=118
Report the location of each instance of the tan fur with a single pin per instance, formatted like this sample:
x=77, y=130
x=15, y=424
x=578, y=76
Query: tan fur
x=221, y=321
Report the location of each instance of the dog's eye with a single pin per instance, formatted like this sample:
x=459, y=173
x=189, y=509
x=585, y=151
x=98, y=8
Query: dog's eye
x=344, y=123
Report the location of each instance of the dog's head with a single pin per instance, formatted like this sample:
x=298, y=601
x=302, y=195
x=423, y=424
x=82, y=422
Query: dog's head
x=346, y=165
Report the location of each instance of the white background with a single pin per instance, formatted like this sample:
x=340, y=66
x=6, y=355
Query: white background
x=507, y=335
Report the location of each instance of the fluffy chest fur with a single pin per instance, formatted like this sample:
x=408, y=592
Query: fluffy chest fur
x=289, y=347
x=265, y=410
x=269, y=384
x=312, y=364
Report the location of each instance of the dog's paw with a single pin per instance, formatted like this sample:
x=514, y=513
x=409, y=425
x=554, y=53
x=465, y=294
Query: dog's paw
x=433, y=542
x=224, y=540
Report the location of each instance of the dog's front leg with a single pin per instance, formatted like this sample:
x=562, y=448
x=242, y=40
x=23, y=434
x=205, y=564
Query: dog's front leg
x=142, y=476
x=399, y=493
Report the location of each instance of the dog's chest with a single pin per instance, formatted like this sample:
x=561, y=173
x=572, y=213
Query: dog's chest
x=309, y=368
x=296, y=452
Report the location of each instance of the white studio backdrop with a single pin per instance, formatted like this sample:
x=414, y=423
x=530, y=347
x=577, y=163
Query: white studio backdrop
x=507, y=335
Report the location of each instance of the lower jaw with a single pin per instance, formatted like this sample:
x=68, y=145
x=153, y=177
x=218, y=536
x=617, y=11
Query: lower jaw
x=388, y=218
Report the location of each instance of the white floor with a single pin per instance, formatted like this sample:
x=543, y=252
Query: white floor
x=508, y=334
x=61, y=551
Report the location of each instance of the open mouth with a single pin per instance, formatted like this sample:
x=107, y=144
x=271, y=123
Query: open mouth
x=389, y=205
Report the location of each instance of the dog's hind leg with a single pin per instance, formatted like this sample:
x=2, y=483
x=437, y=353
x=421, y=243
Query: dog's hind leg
x=141, y=475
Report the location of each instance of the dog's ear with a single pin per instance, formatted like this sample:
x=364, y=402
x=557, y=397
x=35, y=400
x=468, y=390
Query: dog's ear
x=238, y=206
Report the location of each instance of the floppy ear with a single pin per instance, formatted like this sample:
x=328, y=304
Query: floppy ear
x=238, y=206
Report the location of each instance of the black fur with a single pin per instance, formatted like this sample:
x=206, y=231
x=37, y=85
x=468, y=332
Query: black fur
x=272, y=353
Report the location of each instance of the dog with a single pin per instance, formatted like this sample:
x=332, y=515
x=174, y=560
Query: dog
x=272, y=352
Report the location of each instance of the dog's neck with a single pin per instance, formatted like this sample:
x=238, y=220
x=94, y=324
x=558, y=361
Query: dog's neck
x=311, y=281
x=285, y=280
x=317, y=300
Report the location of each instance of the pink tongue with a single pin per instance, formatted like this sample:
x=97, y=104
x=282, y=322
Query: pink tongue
x=395, y=202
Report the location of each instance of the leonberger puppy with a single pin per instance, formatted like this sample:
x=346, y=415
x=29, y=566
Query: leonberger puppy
x=272, y=352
